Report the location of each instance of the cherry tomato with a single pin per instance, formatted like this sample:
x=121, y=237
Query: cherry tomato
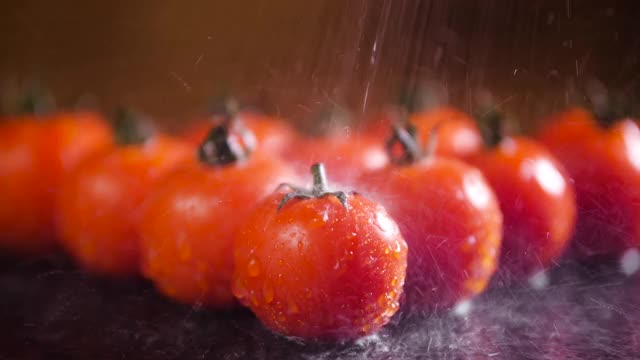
x=189, y=222
x=450, y=219
x=35, y=154
x=346, y=157
x=273, y=135
x=458, y=134
x=537, y=201
x=320, y=265
x=99, y=203
x=605, y=166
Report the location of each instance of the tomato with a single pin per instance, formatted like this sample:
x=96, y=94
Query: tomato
x=451, y=221
x=605, y=167
x=35, y=155
x=272, y=134
x=537, y=201
x=458, y=135
x=189, y=222
x=99, y=202
x=346, y=156
x=314, y=264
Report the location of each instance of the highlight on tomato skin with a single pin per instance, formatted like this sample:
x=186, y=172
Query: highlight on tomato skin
x=99, y=202
x=189, y=221
x=35, y=155
x=537, y=201
x=320, y=266
x=603, y=165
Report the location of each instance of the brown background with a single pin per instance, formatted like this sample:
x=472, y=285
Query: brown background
x=170, y=57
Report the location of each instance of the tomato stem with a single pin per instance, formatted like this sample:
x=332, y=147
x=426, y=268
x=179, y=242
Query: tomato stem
x=491, y=127
x=405, y=134
x=131, y=128
x=319, y=189
x=319, y=178
x=228, y=142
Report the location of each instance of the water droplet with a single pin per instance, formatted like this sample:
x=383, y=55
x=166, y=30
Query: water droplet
x=387, y=250
x=268, y=293
x=281, y=262
x=300, y=246
x=253, y=268
x=336, y=266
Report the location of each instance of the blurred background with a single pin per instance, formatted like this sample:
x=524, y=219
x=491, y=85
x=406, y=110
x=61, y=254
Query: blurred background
x=170, y=58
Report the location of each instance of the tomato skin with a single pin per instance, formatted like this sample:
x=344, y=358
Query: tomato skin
x=452, y=223
x=99, y=202
x=35, y=155
x=273, y=135
x=189, y=222
x=316, y=270
x=605, y=168
x=537, y=201
x=346, y=157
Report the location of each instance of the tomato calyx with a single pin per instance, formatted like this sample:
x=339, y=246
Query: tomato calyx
x=317, y=191
x=405, y=134
x=491, y=127
x=131, y=128
x=229, y=142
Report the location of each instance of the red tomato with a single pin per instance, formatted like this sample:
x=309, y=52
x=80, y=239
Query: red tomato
x=35, y=155
x=189, y=222
x=99, y=203
x=451, y=221
x=346, y=157
x=605, y=167
x=537, y=201
x=458, y=134
x=272, y=135
x=317, y=267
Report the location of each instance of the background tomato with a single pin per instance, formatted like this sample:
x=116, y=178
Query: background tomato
x=35, y=155
x=189, y=222
x=99, y=203
x=537, y=201
x=604, y=166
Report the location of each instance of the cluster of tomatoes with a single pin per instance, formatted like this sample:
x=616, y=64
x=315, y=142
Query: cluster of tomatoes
x=219, y=214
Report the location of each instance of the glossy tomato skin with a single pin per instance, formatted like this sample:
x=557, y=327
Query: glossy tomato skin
x=317, y=270
x=537, y=201
x=99, y=202
x=189, y=222
x=605, y=167
x=452, y=223
x=346, y=156
x=272, y=135
x=35, y=155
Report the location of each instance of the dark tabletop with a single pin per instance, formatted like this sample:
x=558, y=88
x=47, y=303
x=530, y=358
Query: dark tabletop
x=51, y=310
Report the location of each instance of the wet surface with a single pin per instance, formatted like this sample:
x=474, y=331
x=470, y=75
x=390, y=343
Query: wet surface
x=51, y=310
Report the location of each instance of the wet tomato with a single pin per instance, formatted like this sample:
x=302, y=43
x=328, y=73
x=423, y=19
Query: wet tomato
x=35, y=155
x=313, y=264
x=189, y=221
x=537, y=201
x=99, y=202
x=450, y=219
x=605, y=167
